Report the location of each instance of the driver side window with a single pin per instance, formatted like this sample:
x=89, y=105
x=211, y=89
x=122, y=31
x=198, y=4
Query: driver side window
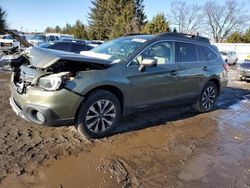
x=162, y=52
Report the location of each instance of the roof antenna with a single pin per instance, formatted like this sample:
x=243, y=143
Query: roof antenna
x=175, y=30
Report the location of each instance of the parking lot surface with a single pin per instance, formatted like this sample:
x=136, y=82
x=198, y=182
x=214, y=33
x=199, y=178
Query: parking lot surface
x=163, y=147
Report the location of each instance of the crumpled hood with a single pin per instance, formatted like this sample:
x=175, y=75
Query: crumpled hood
x=43, y=58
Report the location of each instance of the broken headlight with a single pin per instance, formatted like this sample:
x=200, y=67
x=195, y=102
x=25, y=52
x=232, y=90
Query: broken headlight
x=53, y=82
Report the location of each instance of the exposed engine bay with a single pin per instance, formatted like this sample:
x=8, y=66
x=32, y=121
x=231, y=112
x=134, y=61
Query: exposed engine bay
x=35, y=65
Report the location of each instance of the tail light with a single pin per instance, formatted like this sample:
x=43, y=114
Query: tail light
x=226, y=66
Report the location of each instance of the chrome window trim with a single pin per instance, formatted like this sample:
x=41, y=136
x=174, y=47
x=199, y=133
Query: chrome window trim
x=174, y=41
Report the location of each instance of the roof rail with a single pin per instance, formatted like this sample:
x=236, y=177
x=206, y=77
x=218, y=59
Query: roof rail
x=184, y=35
x=132, y=34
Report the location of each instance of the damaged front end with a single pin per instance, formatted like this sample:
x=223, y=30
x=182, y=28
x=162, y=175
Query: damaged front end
x=49, y=69
x=37, y=85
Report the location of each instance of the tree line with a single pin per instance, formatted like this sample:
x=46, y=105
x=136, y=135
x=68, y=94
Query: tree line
x=109, y=19
x=115, y=18
x=238, y=37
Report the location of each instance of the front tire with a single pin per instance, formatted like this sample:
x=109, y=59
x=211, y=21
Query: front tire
x=207, y=98
x=99, y=114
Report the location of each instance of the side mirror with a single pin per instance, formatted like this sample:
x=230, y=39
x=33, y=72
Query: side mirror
x=147, y=62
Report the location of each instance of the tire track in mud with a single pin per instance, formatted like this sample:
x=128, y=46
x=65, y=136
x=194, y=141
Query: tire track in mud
x=25, y=146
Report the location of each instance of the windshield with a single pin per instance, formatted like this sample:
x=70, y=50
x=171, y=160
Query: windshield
x=38, y=37
x=45, y=45
x=223, y=53
x=29, y=37
x=121, y=48
x=7, y=37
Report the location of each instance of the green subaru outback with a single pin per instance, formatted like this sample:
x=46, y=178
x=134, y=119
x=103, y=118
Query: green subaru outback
x=92, y=90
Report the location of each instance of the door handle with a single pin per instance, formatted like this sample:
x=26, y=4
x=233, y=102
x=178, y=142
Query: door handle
x=205, y=68
x=173, y=73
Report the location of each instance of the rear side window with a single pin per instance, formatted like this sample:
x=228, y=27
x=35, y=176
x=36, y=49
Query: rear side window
x=76, y=48
x=186, y=52
x=61, y=46
x=206, y=54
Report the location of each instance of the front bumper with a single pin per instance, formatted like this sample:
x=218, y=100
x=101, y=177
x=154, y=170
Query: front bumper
x=245, y=74
x=49, y=108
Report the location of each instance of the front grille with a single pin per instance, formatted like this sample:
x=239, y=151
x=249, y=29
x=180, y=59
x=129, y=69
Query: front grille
x=4, y=44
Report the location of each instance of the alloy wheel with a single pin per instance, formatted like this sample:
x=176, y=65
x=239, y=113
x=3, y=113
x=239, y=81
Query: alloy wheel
x=100, y=116
x=208, y=98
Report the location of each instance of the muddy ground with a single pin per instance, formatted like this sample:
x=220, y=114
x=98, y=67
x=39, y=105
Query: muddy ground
x=166, y=147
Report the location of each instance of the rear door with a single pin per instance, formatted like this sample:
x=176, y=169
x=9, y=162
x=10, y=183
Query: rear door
x=192, y=70
x=154, y=84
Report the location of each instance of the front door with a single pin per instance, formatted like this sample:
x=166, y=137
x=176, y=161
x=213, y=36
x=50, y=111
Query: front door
x=153, y=84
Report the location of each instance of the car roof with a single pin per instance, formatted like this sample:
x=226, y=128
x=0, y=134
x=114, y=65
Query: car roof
x=70, y=42
x=73, y=40
x=227, y=51
x=172, y=36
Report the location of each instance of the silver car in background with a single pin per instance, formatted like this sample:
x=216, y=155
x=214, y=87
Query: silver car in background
x=230, y=57
x=8, y=43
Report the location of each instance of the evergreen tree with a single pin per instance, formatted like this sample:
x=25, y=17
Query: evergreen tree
x=158, y=24
x=113, y=18
x=122, y=23
x=58, y=29
x=79, y=30
x=235, y=38
x=246, y=36
x=67, y=29
x=102, y=18
x=49, y=30
x=2, y=20
x=139, y=12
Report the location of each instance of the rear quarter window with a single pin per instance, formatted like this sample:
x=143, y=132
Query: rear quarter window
x=206, y=54
x=61, y=46
x=76, y=48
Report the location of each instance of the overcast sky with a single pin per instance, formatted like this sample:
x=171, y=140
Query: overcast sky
x=36, y=15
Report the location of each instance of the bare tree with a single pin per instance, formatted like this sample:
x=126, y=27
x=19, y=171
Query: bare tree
x=187, y=19
x=222, y=20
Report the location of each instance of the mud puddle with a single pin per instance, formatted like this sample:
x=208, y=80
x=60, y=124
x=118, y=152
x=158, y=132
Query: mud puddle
x=155, y=157
x=208, y=150
x=230, y=165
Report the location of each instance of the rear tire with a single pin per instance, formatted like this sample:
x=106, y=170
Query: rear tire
x=99, y=114
x=207, y=98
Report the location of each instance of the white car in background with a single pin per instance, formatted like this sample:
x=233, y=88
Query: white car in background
x=38, y=39
x=230, y=57
x=9, y=44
